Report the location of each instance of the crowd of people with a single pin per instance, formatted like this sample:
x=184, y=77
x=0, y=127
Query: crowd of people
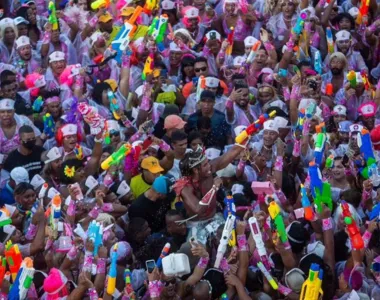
x=189, y=149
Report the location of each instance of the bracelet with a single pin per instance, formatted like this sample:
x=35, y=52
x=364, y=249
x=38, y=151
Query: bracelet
x=145, y=103
x=73, y=252
x=287, y=245
x=87, y=262
x=135, y=137
x=327, y=224
x=155, y=288
x=125, y=61
x=164, y=147
x=31, y=233
x=48, y=245
x=268, y=46
x=241, y=165
x=279, y=164
x=286, y=93
x=203, y=262
x=101, y=266
x=93, y=21
x=224, y=266
x=295, y=92
x=229, y=103
x=71, y=208
x=242, y=243
x=93, y=294
x=296, y=148
x=366, y=238
x=107, y=207
x=284, y=290
x=46, y=38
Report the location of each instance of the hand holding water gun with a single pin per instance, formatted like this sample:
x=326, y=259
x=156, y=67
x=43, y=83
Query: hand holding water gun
x=37, y=104
x=23, y=281
x=165, y=251
x=330, y=41
x=95, y=234
x=113, y=104
x=230, y=209
x=49, y=126
x=351, y=77
x=255, y=48
x=112, y=273
x=157, y=30
x=257, y=236
x=253, y=128
x=362, y=17
x=92, y=118
x=52, y=16
x=307, y=208
x=298, y=27
x=267, y=275
x=127, y=32
x=230, y=39
x=148, y=66
x=100, y=4
x=321, y=191
x=319, y=147
x=275, y=214
x=14, y=259
x=55, y=214
x=318, y=62
x=116, y=157
x=5, y=217
x=352, y=229
x=365, y=145
x=226, y=235
x=312, y=287
x=128, y=285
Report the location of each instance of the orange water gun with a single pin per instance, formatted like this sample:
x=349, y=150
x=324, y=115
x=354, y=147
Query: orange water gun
x=14, y=258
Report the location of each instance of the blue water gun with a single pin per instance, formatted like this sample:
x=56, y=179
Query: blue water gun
x=37, y=104
x=318, y=62
x=23, y=281
x=112, y=273
x=321, y=191
x=49, y=126
x=365, y=144
x=95, y=234
x=307, y=208
x=375, y=213
x=298, y=27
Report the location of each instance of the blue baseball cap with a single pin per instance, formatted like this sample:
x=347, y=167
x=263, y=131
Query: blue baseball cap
x=344, y=126
x=162, y=185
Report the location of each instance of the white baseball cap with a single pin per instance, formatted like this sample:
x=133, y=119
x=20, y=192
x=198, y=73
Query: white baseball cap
x=20, y=174
x=53, y=154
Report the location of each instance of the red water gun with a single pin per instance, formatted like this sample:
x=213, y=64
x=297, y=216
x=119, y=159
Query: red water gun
x=362, y=17
x=230, y=39
x=352, y=229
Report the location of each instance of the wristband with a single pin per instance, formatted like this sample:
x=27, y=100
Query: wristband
x=71, y=208
x=327, y=224
x=101, y=266
x=278, y=165
x=224, y=266
x=93, y=294
x=306, y=128
x=284, y=290
x=366, y=238
x=46, y=38
x=242, y=243
x=287, y=245
x=125, y=61
x=145, y=103
x=96, y=140
x=93, y=21
x=94, y=213
x=87, y=262
x=365, y=196
x=296, y=148
x=289, y=46
x=241, y=165
x=286, y=93
x=268, y=46
x=378, y=85
x=135, y=137
x=127, y=123
x=295, y=92
x=73, y=252
x=164, y=147
x=221, y=54
x=31, y=233
x=203, y=262
x=79, y=80
x=155, y=288
x=48, y=245
x=107, y=207
x=229, y=103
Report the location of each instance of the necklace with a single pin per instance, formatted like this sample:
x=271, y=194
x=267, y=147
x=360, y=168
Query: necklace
x=258, y=169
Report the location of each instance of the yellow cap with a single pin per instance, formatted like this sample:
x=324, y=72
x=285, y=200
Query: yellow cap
x=105, y=18
x=112, y=83
x=152, y=165
x=127, y=11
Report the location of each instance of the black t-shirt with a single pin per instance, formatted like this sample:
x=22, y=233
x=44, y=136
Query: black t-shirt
x=152, y=211
x=32, y=163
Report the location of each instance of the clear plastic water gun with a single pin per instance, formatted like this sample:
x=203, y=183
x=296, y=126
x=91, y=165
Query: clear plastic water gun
x=23, y=281
x=112, y=272
x=275, y=214
x=252, y=54
x=52, y=16
x=37, y=104
x=312, y=287
x=319, y=147
x=14, y=259
x=362, y=17
x=321, y=191
x=125, y=35
x=55, y=214
x=95, y=234
x=100, y=4
x=298, y=27
x=128, y=285
x=330, y=41
x=113, y=104
x=318, y=62
x=49, y=126
x=267, y=275
x=230, y=209
x=157, y=30
x=165, y=251
x=226, y=235
x=148, y=66
x=201, y=85
x=258, y=238
x=352, y=229
x=230, y=39
x=351, y=77
x=116, y=157
x=373, y=173
x=365, y=145
x=307, y=208
x=253, y=128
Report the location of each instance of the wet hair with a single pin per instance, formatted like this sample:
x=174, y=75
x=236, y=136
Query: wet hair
x=22, y=187
x=52, y=93
x=178, y=135
x=97, y=93
x=342, y=16
x=25, y=129
x=298, y=232
x=76, y=163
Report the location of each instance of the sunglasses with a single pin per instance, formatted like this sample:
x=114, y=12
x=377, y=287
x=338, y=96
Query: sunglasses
x=200, y=69
x=172, y=281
